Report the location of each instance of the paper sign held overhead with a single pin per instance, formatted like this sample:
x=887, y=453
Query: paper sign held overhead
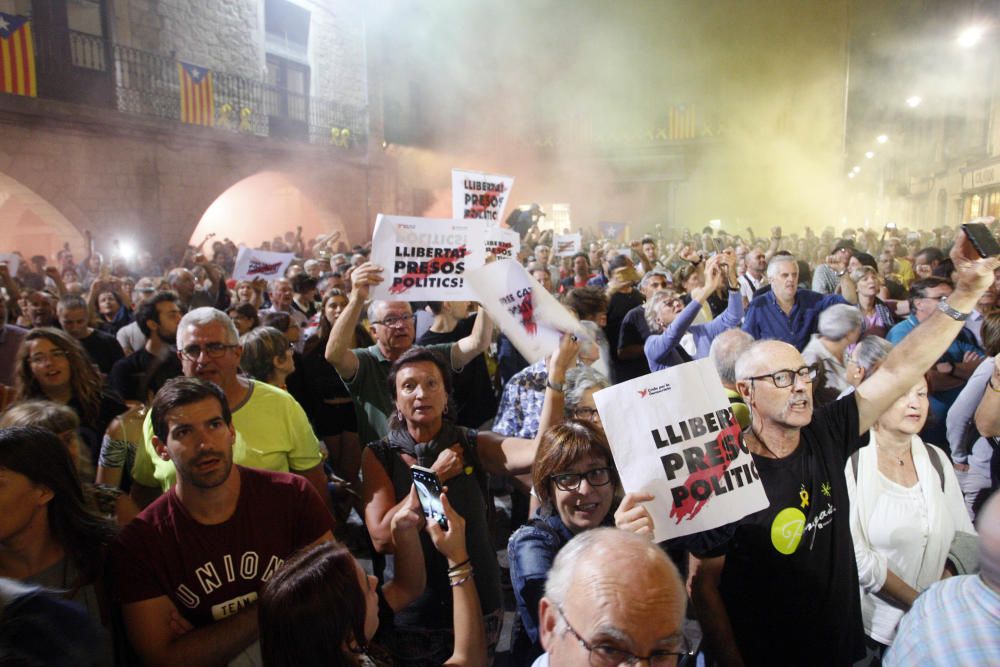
x=13, y=262
x=425, y=259
x=678, y=440
x=251, y=264
x=523, y=309
x=479, y=196
x=566, y=245
x=503, y=243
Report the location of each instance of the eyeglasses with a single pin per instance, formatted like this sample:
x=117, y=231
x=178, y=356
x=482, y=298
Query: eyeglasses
x=934, y=298
x=42, y=357
x=786, y=377
x=213, y=350
x=603, y=655
x=587, y=414
x=570, y=481
x=395, y=321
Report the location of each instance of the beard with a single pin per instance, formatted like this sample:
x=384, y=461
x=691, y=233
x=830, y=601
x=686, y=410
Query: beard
x=169, y=339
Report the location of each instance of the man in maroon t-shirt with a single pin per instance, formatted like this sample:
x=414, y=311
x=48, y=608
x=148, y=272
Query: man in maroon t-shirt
x=188, y=568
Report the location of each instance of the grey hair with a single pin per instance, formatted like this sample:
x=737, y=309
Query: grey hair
x=747, y=361
x=838, y=321
x=591, y=545
x=653, y=304
x=772, y=265
x=175, y=274
x=871, y=351
x=200, y=317
x=859, y=273
x=596, y=332
x=542, y=245
x=373, y=308
x=281, y=279
x=726, y=349
x=580, y=380
x=646, y=277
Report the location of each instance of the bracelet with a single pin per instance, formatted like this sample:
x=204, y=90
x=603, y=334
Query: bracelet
x=460, y=565
x=465, y=571
x=461, y=581
x=990, y=385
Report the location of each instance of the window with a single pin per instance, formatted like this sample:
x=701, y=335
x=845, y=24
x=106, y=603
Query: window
x=286, y=24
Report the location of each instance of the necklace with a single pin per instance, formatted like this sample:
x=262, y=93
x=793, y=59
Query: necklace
x=889, y=453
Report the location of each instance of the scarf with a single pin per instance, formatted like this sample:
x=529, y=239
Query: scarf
x=427, y=452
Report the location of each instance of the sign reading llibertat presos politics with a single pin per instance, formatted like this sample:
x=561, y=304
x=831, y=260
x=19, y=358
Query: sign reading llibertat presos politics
x=566, y=245
x=522, y=308
x=479, y=196
x=425, y=259
x=252, y=264
x=674, y=435
x=503, y=243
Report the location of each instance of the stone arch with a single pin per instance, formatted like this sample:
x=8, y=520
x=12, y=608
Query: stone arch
x=262, y=206
x=30, y=224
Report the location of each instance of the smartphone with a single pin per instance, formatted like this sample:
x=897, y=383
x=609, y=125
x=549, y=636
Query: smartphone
x=982, y=239
x=429, y=492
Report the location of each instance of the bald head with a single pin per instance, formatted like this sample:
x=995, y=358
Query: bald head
x=766, y=356
x=988, y=527
x=638, y=609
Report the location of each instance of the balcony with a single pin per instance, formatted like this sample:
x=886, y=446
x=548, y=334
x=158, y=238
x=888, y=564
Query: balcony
x=88, y=69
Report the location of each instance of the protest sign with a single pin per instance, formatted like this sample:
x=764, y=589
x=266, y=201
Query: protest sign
x=503, y=243
x=523, y=309
x=252, y=264
x=425, y=259
x=12, y=261
x=566, y=245
x=679, y=441
x=479, y=196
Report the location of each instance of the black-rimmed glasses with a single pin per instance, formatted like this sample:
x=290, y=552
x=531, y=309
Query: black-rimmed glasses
x=394, y=321
x=786, y=377
x=570, y=481
x=604, y=655
x=213, y=350
x=587, y=414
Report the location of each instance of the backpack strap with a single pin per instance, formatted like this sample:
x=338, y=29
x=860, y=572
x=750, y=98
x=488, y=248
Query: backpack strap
x=936, y=462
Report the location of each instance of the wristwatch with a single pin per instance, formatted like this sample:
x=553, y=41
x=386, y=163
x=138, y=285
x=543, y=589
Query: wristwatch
x=555, y=386
x=945, y=308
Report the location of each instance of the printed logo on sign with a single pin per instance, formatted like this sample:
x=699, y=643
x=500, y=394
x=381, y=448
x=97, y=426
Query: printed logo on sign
x=653, y=391
x=257, y=267
x=786, y=530
x=565, y=246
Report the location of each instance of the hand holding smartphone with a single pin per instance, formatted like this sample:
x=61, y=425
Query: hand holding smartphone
x=982, y=239
x=429, y=492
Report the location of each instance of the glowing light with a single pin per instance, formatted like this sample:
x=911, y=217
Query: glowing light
x=856, y=169
x=127, y=250
x=850, y=174
x=913, y=101
x=882, y=138
x=870, y=154
x=715, y=224
x=971, y=36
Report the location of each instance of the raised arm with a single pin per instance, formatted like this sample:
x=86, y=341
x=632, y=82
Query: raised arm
x=338, y=347
x=923, y=346
x=477, y=342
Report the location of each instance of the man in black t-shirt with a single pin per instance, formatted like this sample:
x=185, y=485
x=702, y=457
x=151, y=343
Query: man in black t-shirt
x=782, y=586
x=142, y=373
x=74, y=318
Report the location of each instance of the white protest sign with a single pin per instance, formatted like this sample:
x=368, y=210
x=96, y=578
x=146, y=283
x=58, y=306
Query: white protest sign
x=524, y=310
x=566, y=245
x=503, y=243
x=679, y=441
x=479, y=196
x=12, y=261
x=425, y=259
x=252, y=264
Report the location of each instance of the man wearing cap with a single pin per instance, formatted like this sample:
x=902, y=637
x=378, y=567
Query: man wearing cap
x=827, y=276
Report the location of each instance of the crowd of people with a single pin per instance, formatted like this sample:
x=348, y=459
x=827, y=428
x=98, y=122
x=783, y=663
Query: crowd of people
x=199, y=470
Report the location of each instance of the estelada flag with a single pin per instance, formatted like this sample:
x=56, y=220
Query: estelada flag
x=197, y=100
x=613, y=231
x=17, y=56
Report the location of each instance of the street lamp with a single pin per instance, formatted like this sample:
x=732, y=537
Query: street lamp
x=882, y=138
x=913, y=101
x=970, y=36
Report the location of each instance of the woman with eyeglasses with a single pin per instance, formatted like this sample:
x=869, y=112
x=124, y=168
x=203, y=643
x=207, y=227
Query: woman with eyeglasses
x=267, y=356
x=244, y=315
x=422, y=433
x=52, y=365
x=575, y=479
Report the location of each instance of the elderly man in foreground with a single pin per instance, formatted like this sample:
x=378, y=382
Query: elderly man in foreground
x=597, y=612
x=782, y=586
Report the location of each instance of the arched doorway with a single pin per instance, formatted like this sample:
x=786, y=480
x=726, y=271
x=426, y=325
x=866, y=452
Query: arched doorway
x=261, y=207
x=32, y=225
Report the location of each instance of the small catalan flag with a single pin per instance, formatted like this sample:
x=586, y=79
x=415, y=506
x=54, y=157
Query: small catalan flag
x=17, y=56
x=197, y=102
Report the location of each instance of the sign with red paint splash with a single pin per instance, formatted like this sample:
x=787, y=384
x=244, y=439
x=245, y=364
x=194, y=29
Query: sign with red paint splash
x=425, y=259
x=566, y=245
x=524, y=310
x=479, y=196
x=673, y=435
x=503, y=243
x=252, y=264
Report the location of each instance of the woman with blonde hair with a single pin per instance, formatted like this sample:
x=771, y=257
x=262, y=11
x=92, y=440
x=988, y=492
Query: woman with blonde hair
x=267, y=356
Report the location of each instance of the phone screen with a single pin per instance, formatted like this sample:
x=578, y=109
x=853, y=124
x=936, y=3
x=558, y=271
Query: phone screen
x=429, y=493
